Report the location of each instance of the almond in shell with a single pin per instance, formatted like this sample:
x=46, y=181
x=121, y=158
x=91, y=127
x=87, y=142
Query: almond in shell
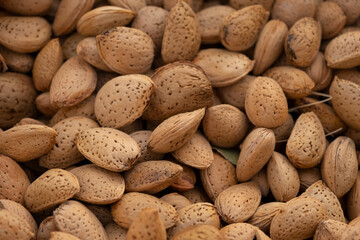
x=353, y=199
x=46, y=227
x=198, y=232
x=27, y=7
x=43, y=104
x=319, y=72
x=176, y=200
x=329, y=229
x=13, y=226
x=308, y=177
x=115, y=232
x=70, y=43
x=62, y=236
x=331, y=18
x=264, y=214
x=142, y=139
x=186, y=180
x=238, y=4
x=17, y=62
x=133, y=5
x=351, y=9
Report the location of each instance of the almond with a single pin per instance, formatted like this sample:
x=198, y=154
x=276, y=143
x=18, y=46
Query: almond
x=352, y=230
x=352, y=75
x=26, y=121
x=339, y=166
x=351, y=9
x=108, y=148
x=306, y=145
x=256, y=150
x=264, y=214
x=17, y=62
x=196, y=195
x=354, y=135
x=185, y=181
x=115, y=232
x=319, y=72
x=308, y=177
x=102, y=212
x=27, y=142
x=198, y=232
x=133, y=5
x=353, y=199
x=242, y=231
x=238, y=4
x=261, y=180
x=182, y=35
x=142, y=139
x=130, y=205
x=70, y=44
x=265, y=103
x=62, y=236
x=223, y=67
x=331, y=18
x=176, y=200
x=283, y=131
x=46, y=227
x=13, y=226
x=43, y=104
x=27, y=7
x=329, y=229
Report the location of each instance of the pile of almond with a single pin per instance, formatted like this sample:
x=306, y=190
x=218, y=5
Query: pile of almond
x=179, y=119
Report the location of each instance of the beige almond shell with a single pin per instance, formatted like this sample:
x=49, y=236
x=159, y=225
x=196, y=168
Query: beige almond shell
x=303, y=42
x=70, y=43
x=256, y=150
x=199, y=232
x=294, y=82
x=169, y=4
x=147, y=225
x=240, y=30
x=196, y=195
x=308, y=177
x=13, y=226
x=26, y=121
x=62, y=236
x=329, y=229
x=331, y=18
x=319, y=72
x=151, y=176
x=97, y=20
x=133, y=5
x=340, y=166
x=68, y=13
x=353, y=199
x=17, y=97
x=306, y=145
x=27, y=142
x=53, y=187
x=123, y=99
x=126, y=50
x=130, y=205
x=220, y=175
x=24, y=34
x=142, y=138
x=175, y=132
x=98, y=185
x=238, y=202
x=351, y=9
x=46, y=64
x=269, y=45
x=346, y=101
x=210, y=20
x=67, y=219
x=13, y=180
x=108, y=148
x=102, y=212
x=223, y=67
x=239, y=231
x=115, y=232
x=352, y=75
x=264, y=214
x=261, y=180
x=283, y=131
x=354, y=135
x=265, y=103
x=343, y=51
x=27, y=7
x=298, y=219
x=178, y=201
x=238, y=4
x=17, y=62
x=196, y=153
x=182, y=37
x=180, y=87
x=46, y=227
x=44, y=105
x=352, y=230
x=186, y=180
x=65, y=153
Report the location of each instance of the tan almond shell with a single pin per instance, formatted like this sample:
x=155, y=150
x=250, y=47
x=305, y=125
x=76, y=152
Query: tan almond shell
x=283, y=131
x=65, y=153
x=352, y=230
x=123, y=99
x=264, y=214
x=329, y=229
x=352, y=75
x=210, y=20
x=178, y=91
x=223, y=67
x=306, y=145
x=220, y=175
x=196, y=195
x=239, y=231
x=240, y=30
x=298, y=219
x=87, y=226
x=346, y=101
x=351, y=9
x=294, y=82
x=151, y=176
x=238, y=202
x=198, y=232
x=45, y=192
x=265, y=103
x=62, y=236
x=353, y=199
x=26, y=121
x=269, y=45
x=169, y=4
x=182, y=37
x=13, y=180
x=98, y=185
x=130, y=205
x=108, y=148
x=115, y=232
x=24, y=34
x=27, y=7
x=46, y=227
x=17, y=62
x=340, y=166
x=257, y=148
x=13, y=226
x=319, y=72
x=44, y=105
x=331, y=18
x=97, y=20
x=186, y=180
x=175, y=132
x=102, y=212
x=308, y=177
x=46, y=64
x=133, y=5
x=354, y=135
x=70, y=43
x=176, y=200
x=126, y=50
x=261, y=180
x=142, y=138
x=238, y=4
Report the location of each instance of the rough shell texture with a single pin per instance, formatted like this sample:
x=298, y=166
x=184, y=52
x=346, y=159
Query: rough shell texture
x=70, y=43
x=115, y=232
x=176, y=200
x=27, y=7
x=308, y=177
x=13, y=226
x=329, y=229
x=17, y=62
x=351, y=9
x=331, y=18
x=43, y=104
x=142, y=139
x=62, y=236
x=353, y=199
x=239, y=231
x=133, y=5
x=264, y=214
x=352, y=74
x=283, y=131
x=186, y=180
x=319, y=72
x=46, y=227
x=198, y=232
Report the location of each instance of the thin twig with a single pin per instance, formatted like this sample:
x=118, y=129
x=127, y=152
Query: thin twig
x=328, y=98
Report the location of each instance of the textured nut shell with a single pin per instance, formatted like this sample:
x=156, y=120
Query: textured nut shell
x=186, y=180
x=13, y=180
x=339, y=166
x=102, y=212
x=26, y=142
x=294, y=82
x=97, y=185
x=329, y=229
x=46, y=227
x=306, y=145
x=176, y=200
x=198, y=232
x=352, y=75
x=142, y=139
x=196, y=195
x=115, y=232
x=123, y=99
x=70, y=43
x=352, y=230
x=67, y=215
x=240, y=30
x=343, y=51
x=298, y=219
x=182, y=37
x=51, y=188
x=17, y=62
x=351, y=9
x=319, y=72
x=24, y=34
x=353, y=199
x=126, y=50
x=133, y=5
x=308, y=177
x=261, y=180
x=238, y=231
x=264, y=214
x=256, y=150
x=27, y=7
x=108, y=148
x=303, y=42
x=238, y=202
x=223, y=67
x=265, y=103
x=62, y=236
x=283, y=131
x=26, y=121
x=65, y=153
x=238, y=4
x=331, y=18
x=180, y=87
x=13, y=226
x=43, y=104
x=129, y=206
x=46, y=64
